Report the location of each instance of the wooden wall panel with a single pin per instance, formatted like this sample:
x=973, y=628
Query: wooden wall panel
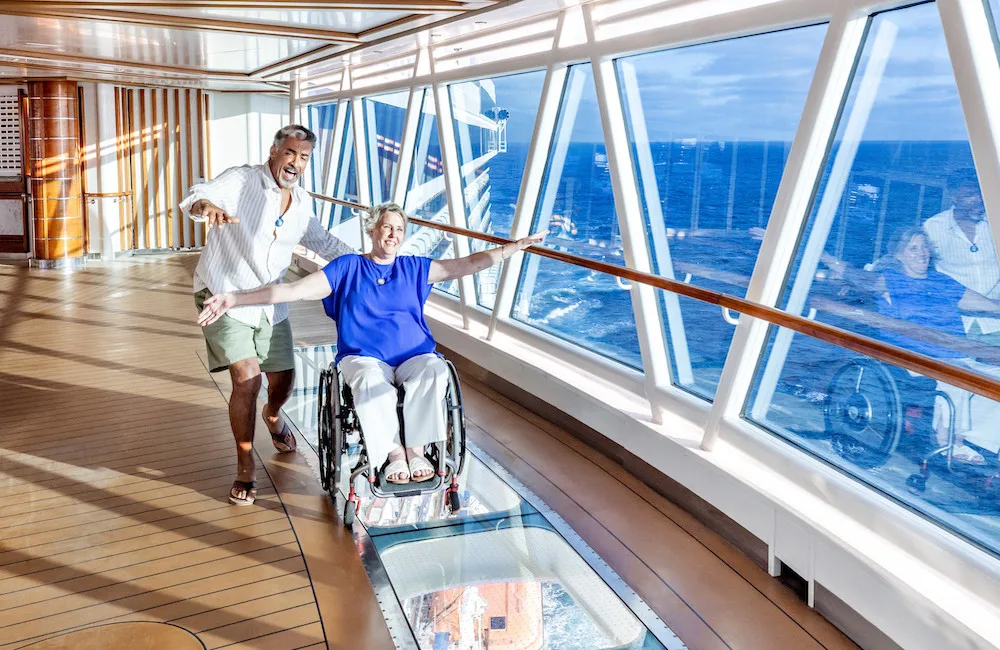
x=161, y=145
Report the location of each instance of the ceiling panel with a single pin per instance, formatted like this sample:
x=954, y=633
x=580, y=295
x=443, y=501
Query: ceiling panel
x=345, y=21
x=146, y=45
x=443, y=30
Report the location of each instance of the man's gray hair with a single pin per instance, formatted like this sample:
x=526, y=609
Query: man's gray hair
x=373, y=220
x=296, y=131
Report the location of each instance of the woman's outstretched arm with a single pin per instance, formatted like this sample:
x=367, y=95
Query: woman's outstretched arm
x=444, y=270
x=314, y=286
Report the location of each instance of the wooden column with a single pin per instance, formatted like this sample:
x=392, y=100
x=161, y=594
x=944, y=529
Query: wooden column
x=54, y=156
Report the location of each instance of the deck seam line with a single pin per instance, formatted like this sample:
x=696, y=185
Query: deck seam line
x=263, y=465
x=111, y=619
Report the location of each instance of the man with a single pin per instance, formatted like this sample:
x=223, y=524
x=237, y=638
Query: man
x=964, y=250
x=273, y=215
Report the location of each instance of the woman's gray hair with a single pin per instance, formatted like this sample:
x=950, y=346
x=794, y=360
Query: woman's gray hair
x=373, y=220
x=296, y=131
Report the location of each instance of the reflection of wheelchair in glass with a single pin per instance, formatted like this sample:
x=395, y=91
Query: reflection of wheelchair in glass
x=339, y=428
x=874, y=411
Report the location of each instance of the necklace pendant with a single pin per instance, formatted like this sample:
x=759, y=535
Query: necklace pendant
x=974, y=248
x=380, y=281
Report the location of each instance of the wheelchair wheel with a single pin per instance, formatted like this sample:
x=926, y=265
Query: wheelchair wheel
x=325, y=417
x=339, y=448
x=456, y=418
x=350, y=512
x=331, y=431
x=864, y=413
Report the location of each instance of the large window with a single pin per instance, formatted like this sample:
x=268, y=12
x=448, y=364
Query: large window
x=494, y=120
x=425, y=196
x=577, y=208
x=710, y=128
x=384, y=117
x=897, y=247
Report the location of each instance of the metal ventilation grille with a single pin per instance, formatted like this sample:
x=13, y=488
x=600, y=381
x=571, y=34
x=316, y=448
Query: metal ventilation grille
x=10, y=136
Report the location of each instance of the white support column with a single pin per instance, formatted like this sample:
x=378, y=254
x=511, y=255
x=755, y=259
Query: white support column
x=831, y=82
x=531, y=184
x=361, y=152
x=977, y=73
x=407, y=146
x=329, y=173
x=648, y=325
x=657, y=224
x=453, y=191
x=883, y=41
x=568, y=108
x=293, y=97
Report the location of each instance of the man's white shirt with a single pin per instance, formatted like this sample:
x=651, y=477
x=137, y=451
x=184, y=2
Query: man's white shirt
x=973, y=264
x=255, y=252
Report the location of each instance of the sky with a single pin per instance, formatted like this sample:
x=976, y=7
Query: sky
x=754, y=88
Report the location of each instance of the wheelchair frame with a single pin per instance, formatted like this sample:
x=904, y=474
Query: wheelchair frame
x=338, y=421
x=846, y=418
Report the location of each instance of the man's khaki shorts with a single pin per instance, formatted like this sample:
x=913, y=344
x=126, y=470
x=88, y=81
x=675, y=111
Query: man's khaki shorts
x=228, y=341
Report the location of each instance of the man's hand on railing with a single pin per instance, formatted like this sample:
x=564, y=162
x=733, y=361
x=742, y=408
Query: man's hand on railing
x=212, y=214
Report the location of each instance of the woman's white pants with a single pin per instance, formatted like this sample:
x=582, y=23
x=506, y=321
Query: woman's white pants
x=424, y=379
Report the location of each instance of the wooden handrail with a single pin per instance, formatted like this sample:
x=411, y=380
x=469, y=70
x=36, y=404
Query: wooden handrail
x=106, y=195
x=919, y=363
x=347, y=204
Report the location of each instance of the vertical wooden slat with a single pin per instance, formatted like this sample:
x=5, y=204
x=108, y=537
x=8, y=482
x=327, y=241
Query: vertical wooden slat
x=154, y=168
x=165, y=131
x=177, y=169
x=81, y=117
x=134, y=140
x=208, y=139
x=189, y=157
x=204, y=146
x=143, y=171
x=118, y=162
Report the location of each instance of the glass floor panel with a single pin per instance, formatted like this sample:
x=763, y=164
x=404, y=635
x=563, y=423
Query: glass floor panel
x=503, y=572
x=514, y=585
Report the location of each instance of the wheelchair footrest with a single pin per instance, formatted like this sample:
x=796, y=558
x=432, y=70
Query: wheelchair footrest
x=413, y=488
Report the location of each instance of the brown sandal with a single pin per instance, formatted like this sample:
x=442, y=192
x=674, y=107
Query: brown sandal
x=284, y=441
x=249, y=489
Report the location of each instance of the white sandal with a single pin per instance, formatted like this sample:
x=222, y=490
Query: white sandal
x=420, y=464
x=399, y=469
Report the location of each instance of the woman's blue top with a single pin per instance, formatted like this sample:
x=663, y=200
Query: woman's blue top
x=930, y=302
x=384, y=321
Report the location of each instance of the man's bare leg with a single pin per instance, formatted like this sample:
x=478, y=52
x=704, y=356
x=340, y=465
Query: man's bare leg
x=279, y=389
x=246, y=380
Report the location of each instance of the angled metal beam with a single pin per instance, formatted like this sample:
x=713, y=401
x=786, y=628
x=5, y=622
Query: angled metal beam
x=359, y=5
x=297, y=61
x=122, y=66
x=177, y=22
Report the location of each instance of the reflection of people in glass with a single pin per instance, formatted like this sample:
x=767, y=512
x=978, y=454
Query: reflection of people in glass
x=916, y=293
x=963, y=247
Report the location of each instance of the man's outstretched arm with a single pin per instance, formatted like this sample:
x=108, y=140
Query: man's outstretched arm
x=214, y=201
x=319, y=240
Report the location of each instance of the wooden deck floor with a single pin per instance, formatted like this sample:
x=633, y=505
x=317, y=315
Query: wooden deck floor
x=116, y=457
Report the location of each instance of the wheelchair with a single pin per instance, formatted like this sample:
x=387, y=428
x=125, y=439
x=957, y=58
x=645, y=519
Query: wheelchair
x=339, y=429
x=868, y=421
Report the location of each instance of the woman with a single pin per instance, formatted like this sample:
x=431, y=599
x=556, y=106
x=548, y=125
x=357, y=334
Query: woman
x=917, y=293
x=383, y=341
